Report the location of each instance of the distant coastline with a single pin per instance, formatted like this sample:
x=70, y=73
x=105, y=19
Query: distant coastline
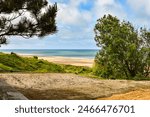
x=71, y=53
x=67, y=57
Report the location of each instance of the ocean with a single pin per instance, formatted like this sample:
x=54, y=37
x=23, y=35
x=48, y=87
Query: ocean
x=87, y=53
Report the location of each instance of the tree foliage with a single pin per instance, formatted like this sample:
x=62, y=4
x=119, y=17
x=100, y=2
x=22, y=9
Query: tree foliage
x=26, y=18
x=124, y=50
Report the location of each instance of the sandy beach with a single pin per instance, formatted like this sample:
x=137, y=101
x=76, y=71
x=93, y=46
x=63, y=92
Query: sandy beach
x=70, y=61
x=76, y=61
x=66, y=60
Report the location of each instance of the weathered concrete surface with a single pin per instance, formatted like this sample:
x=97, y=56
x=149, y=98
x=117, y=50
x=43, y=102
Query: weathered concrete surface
x=9, y=93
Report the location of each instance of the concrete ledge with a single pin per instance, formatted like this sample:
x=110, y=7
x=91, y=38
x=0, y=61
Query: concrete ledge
x=9, y=93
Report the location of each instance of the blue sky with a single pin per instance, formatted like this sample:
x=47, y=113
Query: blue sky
x=76, y=20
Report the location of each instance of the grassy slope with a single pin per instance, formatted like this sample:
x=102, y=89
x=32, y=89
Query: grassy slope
x=14, y=63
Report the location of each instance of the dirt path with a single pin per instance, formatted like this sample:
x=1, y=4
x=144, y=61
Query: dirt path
x=70, y=86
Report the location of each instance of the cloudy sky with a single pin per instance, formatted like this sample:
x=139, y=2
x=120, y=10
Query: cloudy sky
x=76, y=20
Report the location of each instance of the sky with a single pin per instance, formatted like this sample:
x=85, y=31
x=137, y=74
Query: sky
x=76, y=20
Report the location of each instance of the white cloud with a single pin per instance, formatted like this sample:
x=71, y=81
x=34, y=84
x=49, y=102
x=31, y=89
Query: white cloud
x=77, y=2
x=70, y=14
x=105, y=2
x=112, y=7
x=141, y=6
x=141, y=11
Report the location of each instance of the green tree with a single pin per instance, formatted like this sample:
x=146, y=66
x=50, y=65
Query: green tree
x=124, y=51
x=26, y=18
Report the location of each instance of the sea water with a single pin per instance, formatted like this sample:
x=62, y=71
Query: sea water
x=87, y=53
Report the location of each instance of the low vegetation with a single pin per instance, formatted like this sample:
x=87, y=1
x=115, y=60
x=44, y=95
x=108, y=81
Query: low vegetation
x=15, y=63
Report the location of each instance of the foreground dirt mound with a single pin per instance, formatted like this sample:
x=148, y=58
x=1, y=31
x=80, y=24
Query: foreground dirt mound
x=69, y=86
x=141, y=94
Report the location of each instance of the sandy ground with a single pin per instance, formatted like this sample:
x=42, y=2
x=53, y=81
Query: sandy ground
x=140, y=94
x=52, y=86
x=66, y=60
x=70, y=61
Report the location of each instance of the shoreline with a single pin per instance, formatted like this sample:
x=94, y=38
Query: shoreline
x=69, y=60
x=76, y=61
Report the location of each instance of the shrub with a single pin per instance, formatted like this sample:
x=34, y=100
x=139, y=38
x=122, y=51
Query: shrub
x=124, y=51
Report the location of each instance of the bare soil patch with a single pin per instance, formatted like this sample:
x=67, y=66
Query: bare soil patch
x=141, y=94
x=58, y=86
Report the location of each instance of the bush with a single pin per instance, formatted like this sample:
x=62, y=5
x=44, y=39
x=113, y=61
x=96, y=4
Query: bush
x=124, y=51
x=35, y=57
